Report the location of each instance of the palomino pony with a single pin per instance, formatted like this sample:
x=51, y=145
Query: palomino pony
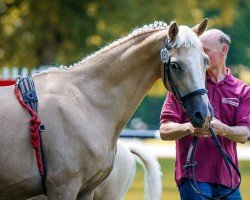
x=84, y=108
x=116, y=185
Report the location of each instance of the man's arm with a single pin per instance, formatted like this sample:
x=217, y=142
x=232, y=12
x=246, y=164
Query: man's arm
x=174, y=131
x=234, y=133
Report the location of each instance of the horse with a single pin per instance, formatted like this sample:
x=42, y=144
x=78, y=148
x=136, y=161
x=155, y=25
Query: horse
x=85, y=106
x=116, y=185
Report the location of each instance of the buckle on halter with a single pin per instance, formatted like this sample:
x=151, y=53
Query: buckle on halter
x=189, y=165
x=164, y=55
x=18, y=79
x=41, y=128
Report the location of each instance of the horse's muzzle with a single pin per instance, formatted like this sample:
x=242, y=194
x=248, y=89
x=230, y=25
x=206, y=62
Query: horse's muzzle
x=199, y=111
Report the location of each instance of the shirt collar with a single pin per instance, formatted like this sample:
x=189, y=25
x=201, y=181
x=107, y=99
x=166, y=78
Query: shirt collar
x=228, y=78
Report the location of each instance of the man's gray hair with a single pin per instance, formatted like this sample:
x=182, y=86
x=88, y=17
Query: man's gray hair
x=218, y=36
x=224, y=38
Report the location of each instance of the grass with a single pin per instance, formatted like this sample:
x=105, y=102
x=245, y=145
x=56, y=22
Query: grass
x=170, y=190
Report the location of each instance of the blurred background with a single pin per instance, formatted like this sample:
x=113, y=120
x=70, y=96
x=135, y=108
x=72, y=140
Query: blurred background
x=38, y=34
x=34, y=34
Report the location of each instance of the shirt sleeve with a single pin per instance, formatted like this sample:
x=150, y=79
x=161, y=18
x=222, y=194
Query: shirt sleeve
x=243, y=112
x=171, y=110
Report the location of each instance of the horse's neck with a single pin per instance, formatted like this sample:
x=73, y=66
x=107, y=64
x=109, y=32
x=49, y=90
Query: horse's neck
x=116, y=81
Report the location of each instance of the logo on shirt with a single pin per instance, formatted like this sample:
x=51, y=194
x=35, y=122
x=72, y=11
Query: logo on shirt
x=231, y=101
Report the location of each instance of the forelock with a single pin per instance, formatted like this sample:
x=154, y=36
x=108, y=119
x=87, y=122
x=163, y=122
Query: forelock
x=186, y=38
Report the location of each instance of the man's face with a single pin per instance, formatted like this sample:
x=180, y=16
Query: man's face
x=212, y=49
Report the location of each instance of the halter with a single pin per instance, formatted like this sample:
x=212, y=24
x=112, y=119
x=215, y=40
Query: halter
x=190, y=164
x=167, y=75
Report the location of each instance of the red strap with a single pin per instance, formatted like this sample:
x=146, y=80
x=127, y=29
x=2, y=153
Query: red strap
x=34, y=130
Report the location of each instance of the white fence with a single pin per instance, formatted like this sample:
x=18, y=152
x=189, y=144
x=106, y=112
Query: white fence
x=142, y=134
x=7, y=73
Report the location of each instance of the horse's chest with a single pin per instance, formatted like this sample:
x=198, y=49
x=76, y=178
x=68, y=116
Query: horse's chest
x=102, y=169
x=108, y=162
x=107, y=167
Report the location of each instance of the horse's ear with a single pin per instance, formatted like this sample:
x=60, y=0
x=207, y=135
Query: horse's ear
x=200, y=28
x=173, y=31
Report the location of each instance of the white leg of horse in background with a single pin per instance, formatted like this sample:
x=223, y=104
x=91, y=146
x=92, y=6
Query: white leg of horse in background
x=119, y=181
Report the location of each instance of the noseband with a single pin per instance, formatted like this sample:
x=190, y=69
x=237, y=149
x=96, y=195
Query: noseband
x=190, y=164
x=167, y=75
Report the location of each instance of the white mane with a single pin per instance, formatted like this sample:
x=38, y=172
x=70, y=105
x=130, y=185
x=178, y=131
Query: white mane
x=186, y=37
x=157, y=25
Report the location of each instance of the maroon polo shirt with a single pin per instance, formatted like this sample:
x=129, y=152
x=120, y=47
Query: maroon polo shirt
x=230, y=99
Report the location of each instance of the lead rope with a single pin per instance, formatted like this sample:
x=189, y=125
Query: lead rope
x=190, y=164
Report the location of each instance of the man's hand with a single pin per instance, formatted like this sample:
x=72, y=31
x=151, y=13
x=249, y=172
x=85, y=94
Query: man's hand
x=234, y=133
x=218, y=127
x=201, y=132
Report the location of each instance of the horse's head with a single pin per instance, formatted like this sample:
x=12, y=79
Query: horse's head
x=184, y=70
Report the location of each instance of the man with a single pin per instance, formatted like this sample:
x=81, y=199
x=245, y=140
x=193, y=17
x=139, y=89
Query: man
x=230, y=99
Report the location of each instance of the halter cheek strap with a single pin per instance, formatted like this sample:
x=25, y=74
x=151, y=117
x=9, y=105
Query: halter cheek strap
x=165, y=58
x=166, y=75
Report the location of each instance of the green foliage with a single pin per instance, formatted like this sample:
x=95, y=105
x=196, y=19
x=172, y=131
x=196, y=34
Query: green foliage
x=34, y=33
x=240, y=32
x=149, y=111
x=39, y=32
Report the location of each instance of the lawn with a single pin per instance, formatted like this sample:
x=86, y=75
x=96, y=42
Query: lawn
x=170, y=191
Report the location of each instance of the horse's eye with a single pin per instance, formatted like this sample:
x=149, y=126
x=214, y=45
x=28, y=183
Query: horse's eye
x=175, y=65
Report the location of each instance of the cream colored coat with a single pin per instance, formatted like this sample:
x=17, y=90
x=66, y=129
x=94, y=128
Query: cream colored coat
x=84, y=108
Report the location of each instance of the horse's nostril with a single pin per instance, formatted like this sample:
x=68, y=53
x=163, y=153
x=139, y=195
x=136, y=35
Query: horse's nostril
x=198, y=116
x=198, y=119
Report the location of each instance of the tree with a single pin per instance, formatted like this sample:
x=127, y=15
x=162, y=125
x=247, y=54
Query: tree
x=34, y=33
x=240, y=51
x=40, y=32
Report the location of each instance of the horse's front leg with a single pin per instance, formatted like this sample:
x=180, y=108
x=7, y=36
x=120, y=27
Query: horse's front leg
x=64, y=191
x=85, y=196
